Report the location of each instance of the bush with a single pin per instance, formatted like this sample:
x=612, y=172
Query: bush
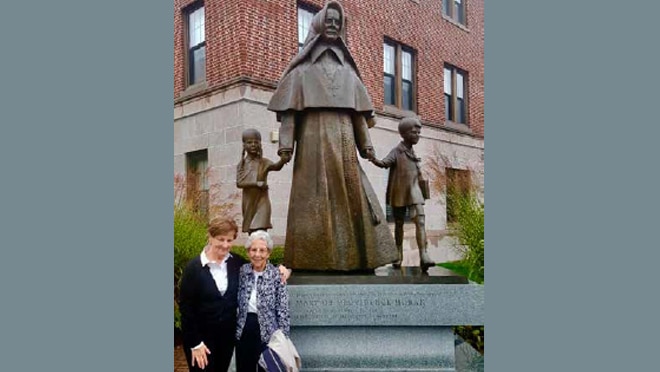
x=469, y=229
x=473, y=335
x=189, y=239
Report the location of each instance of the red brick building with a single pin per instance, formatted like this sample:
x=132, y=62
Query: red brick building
x=416, y=57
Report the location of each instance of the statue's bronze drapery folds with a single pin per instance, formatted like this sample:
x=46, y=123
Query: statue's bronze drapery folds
x=334, y=221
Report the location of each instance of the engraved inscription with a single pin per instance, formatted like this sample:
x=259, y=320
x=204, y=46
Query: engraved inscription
x=356, y=308
x=397, y=305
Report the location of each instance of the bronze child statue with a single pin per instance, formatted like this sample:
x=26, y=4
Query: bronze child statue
x=407, y=189
x=251, y=175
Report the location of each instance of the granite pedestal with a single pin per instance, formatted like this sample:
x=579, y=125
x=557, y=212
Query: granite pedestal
x=396, y=320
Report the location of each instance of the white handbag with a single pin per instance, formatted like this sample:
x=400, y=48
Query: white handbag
x=286, y=352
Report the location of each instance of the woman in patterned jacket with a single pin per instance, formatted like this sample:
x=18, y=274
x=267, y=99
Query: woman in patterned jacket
x=262, y=308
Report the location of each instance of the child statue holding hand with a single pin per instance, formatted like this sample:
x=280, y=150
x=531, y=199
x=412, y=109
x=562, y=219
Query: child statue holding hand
x=251, y=174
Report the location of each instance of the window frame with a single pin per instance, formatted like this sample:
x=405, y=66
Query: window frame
x=191, y=49
x=398, y=78
x=197, y=180
x=313, y=10
x=391, y=76
x=450, y=9
x=451, y=112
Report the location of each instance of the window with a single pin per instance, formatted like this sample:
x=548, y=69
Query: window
x=398, y=76
x=197, y=183
x=406, y=81
x=196, y=45
x=454, y=9
x=305, y=16
x=458, y=186
x=389, y=72
x=455, y=106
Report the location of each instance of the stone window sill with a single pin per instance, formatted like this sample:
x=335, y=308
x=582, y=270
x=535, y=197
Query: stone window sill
x=455, y=23
x=397, y=112
x=193, y=89
x=458, y=127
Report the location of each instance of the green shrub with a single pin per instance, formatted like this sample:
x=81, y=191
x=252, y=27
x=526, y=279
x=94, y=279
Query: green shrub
x=277, y=257
x=469, y=229
x=473, y=335
x=177, y=316
x=189, y=239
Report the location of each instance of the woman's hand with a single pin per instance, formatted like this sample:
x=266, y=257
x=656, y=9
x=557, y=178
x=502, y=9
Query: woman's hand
x=284, y=273
x=199, y=356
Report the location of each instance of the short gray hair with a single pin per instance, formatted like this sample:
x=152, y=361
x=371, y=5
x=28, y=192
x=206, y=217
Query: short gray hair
x=259, y=235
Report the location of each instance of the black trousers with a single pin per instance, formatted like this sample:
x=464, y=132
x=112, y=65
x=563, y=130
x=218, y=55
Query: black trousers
x=220, y=341
x=249, y=347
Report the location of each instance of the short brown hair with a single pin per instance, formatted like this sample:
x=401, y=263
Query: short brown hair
x=222, y=226
x=408, y=123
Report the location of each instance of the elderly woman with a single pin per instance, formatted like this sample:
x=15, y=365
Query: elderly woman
x=208, y=300
x=263, y=303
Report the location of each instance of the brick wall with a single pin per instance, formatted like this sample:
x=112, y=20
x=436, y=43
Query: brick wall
x=256, y=39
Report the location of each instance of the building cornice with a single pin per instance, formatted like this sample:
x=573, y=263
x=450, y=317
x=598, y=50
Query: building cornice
x=197, y=92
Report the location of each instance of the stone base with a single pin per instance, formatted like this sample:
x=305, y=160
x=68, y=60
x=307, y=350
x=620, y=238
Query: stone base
x=375, y=348
x=396, y=320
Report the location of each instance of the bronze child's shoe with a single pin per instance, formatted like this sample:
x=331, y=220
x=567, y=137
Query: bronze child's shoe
x=425, y=260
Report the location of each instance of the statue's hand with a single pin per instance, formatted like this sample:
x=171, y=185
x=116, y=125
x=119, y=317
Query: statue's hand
x=285, y=156
x=369, y=154
x=371, y=122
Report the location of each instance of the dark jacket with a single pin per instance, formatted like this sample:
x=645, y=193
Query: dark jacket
x=203, y=308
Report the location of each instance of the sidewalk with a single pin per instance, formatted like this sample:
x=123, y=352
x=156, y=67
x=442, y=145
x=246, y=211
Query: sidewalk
x=180, y=364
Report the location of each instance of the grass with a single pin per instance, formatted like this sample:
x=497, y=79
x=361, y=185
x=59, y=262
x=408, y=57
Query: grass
x=462, y=268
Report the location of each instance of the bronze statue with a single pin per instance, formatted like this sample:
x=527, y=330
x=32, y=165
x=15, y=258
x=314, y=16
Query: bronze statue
x=407, y=189
x=335, y=222
x=251, y=174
